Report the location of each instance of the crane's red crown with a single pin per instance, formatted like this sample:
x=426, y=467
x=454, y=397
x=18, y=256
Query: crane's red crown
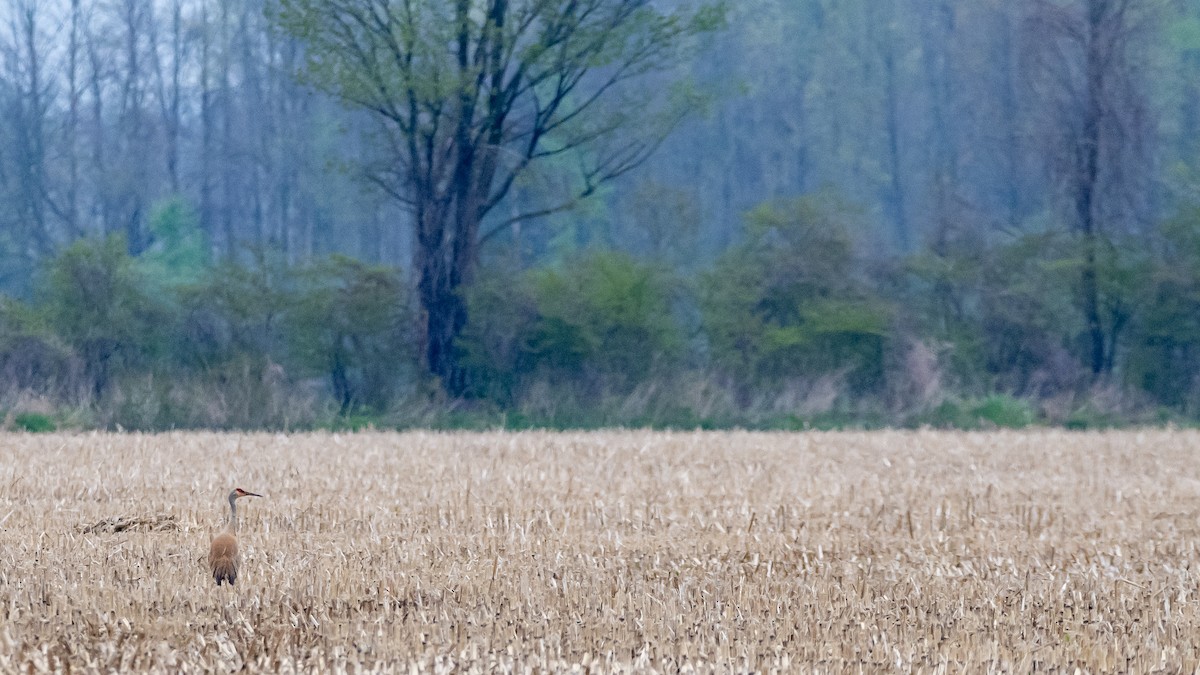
x=242, y=493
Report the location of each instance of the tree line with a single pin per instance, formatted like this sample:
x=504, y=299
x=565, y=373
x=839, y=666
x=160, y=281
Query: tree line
x=793, y=327
x=902, y=212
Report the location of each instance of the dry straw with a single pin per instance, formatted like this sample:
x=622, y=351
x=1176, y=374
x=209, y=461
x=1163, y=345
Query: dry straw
x=603, y=552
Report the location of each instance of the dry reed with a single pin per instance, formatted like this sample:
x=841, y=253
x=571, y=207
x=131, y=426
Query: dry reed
x=603, y=552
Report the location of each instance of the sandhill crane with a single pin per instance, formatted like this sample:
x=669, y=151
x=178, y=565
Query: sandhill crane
x=223, y=554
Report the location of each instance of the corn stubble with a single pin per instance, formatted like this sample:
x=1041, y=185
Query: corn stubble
x=602, y=552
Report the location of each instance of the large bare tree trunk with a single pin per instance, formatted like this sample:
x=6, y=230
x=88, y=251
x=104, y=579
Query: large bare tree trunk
x=444, y=268
x=445, y=315
x=72, y=130
x=896, y=197
x=1085, y=212
x=1087, y=176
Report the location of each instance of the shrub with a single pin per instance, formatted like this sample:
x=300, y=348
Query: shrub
x=604, y=316
x=783, y=304
x=34, y=422
x=1005, y=311
x=34, y=361
x=236, y=310
x=994, y=412
x=353, y=323
x=603, y=320
x=1004, y=412
x=495, y=345
x=1164, y=354
x=96, y=301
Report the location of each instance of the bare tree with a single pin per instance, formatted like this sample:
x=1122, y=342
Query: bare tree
x=1087, y=78
x=27, y=111
x=168, y=86
x=72, y=126
x=470, y=94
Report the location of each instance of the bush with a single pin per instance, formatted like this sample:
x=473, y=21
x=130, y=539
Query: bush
x=1164, y=354
x=604, y=321
x=1004, y=311
x=604, y=317
x=495, y=345
x=34, y=422
x=34, y=361
x=1004, y=412
x=994, y=412
x=353, y=323
x=96, y=301
x=784, y=304
x=236, y=310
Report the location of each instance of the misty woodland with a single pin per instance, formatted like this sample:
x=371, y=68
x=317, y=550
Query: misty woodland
x=291, y=214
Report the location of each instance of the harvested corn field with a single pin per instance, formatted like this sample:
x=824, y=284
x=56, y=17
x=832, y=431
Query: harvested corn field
x=621, y=551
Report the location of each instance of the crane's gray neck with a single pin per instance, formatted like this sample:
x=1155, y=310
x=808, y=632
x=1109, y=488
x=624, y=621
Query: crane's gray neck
x=233, y=511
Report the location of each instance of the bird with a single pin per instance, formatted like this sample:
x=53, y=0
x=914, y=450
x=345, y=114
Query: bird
x=223, y=554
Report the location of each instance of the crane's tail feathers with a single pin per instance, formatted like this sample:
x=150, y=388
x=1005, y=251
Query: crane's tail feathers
x=224, y=570
x=222, y=558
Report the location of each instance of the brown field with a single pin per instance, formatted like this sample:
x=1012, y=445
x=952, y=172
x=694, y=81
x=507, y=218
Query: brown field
x=601, y=552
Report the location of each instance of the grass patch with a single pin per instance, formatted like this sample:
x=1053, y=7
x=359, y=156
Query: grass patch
x=37, y=423
x=994, y=412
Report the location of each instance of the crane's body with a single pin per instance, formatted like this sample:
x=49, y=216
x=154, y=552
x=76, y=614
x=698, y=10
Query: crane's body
x=223, y=554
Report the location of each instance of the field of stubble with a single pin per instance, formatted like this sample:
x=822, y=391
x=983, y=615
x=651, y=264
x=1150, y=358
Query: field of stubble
x=601, y=552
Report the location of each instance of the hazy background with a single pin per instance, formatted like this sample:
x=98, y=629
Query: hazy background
x=879, y=212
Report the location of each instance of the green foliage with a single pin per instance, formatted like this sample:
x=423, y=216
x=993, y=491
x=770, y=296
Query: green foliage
x=1028, y=316
x=33, y=360
x=603, y=319
x=495, y=345
x=604, y=316
x=1004, y=412
x=784, y=303
x=1088, y=417
x=1006, y=311
x=1011, y=311
x=533, y=83
x=236, y=310
x=352, y=322
x=96, y=300
x=34, y=422
x=1164, y=356
x=178, y=255
x=993, y=412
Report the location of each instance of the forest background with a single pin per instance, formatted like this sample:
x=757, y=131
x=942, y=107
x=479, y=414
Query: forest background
x=867, y=213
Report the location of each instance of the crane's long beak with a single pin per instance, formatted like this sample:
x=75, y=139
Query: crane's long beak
x=251, y=494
